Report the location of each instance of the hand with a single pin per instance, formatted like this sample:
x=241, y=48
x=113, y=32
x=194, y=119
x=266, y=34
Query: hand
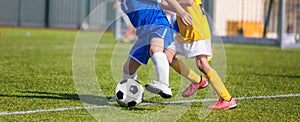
x=186, y=18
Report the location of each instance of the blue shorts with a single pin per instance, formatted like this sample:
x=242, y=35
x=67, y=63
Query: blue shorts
x=149, y=24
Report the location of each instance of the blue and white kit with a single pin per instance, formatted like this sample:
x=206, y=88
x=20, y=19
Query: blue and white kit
x=151, y=22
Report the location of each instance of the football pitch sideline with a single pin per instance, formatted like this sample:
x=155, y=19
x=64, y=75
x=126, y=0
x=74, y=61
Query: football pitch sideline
x=37, y=82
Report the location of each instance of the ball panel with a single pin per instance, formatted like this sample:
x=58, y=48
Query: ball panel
x=123, y=81
x=133, y=89
x=120, y=95
x=132, y=103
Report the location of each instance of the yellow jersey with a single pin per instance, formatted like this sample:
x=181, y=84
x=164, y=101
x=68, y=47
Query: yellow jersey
x=199, y=30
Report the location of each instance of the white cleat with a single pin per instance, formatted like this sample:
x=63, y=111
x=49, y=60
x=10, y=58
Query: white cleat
x=159, y=88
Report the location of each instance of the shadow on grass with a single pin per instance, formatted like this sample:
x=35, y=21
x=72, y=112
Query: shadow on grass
x=90, y=99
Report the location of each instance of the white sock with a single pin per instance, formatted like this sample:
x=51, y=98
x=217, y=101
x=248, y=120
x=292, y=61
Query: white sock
x=162, y=67
x=133, y=76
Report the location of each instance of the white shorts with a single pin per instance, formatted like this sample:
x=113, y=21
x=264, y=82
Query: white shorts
x=190, y=50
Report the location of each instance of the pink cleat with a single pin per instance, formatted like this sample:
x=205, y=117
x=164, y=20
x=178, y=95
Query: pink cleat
x=193, y=87
x=222, y=104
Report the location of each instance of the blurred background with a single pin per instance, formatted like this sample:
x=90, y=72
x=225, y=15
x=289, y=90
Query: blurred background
x=271, y=22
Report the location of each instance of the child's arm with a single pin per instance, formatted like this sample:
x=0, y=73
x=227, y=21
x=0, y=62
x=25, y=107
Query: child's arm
x=174, y=6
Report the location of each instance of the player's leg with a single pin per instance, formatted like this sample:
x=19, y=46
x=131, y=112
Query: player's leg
x=197, y=81
x=160, y=60
x=175, y=48
x=162, y=69
x=213, y=77
x=179, y=66
x=129, y=72
x=130, y=69
x=226, y=100
x=189, y=50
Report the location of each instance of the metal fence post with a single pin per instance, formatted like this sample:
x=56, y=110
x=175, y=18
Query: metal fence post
x=268, y=18
x=88, y=9
x=282, y=11
x=19, y=13
x=47, y=7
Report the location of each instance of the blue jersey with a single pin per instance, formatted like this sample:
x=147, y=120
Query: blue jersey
x=129, y=6
x=150, y=22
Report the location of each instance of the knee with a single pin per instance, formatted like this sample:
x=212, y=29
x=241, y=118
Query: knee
x=157, y=45
x=170, y=56
x=203, y=64
x=200, y=67
x=156, y=48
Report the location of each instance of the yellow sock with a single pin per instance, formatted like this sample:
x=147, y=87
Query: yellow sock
x=218, y=85
x=185, y=71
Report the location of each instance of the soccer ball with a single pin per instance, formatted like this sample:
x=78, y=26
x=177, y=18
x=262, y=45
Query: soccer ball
x=129, y=93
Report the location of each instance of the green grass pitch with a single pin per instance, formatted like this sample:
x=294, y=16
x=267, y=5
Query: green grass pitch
x=36, y=75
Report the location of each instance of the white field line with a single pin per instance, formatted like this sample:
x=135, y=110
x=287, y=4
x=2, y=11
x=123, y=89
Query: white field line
x=173, y=102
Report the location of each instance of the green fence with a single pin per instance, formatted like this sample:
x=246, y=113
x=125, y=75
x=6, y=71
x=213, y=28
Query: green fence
x=54, y=13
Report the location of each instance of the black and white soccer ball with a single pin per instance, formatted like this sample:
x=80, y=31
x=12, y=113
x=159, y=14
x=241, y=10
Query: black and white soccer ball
x=129, y=93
